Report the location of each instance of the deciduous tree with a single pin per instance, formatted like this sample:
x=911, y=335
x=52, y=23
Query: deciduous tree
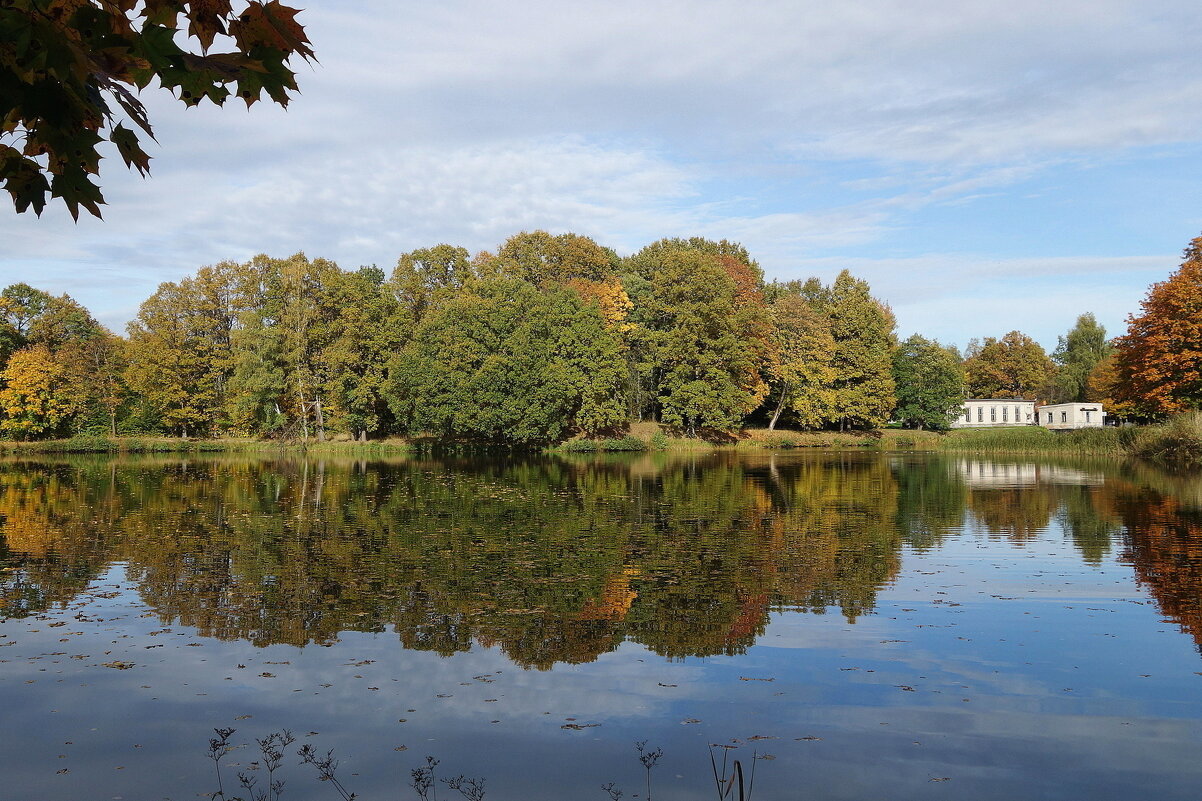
x=930, y=384
x=67, y=68
x=1076, y=355
x=503, y=361
x=803, y=375
x=862, y=328
x=36, y=400
x=705, y=374
x=1160, y=356
x=1013, y=367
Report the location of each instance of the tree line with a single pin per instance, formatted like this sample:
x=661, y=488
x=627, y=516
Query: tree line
x=550, y=336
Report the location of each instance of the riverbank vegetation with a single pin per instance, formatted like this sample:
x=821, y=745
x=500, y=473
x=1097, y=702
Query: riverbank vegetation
x=554, y=340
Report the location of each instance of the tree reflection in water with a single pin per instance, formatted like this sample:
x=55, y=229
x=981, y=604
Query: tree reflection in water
x=551, y=560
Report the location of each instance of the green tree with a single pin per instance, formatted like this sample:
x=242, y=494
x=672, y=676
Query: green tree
x=504, y=362
x=704, y=373
x=21, y=304
x=544, y=259
x=278, y=376
x=66, y=66
x=1077, y=354
x=1013, y=367
x=369, y=329
x=930, y=384
x=62, y=320
x=422, y=276
x=862, y=328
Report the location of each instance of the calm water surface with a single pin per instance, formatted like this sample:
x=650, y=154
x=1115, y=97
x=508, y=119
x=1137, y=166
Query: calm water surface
x=871, y=626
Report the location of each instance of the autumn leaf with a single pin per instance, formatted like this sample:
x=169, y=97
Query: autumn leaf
x=127, y=145
x=206, y=19
x=271, y=25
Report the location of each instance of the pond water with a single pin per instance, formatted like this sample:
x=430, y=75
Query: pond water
x=855, y=626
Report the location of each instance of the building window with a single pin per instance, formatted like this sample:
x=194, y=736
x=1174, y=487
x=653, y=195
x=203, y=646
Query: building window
x=1005, y=415
x=1049, y=417
x=1064, y=417
x=980, y=414
x=967, y=415
x=1087, y=416
x=1016, y=417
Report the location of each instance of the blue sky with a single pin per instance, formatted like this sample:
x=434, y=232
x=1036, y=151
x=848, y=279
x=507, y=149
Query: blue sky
x=986, y=166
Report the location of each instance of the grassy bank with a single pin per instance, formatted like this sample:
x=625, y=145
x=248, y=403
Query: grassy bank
x=1109, y=442
x=1178, y=443
x=102, y=444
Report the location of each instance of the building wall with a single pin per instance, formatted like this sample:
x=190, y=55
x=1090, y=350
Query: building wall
x=995, y=413
x=1064, y=416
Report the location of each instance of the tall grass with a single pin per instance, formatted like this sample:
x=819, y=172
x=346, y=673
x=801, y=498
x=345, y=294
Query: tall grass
x=1178, y=443
x=1035, y=439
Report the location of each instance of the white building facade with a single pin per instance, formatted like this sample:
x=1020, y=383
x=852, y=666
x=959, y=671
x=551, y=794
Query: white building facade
x=995, y=413
x=1063, y=416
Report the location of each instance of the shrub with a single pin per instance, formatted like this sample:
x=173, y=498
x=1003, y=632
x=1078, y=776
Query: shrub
x=626, y=443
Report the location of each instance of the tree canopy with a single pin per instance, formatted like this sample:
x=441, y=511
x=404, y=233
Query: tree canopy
x=930, y=384
x=1160, y=357
x=1014, y=366
x=69, y=68
x=1077, y=354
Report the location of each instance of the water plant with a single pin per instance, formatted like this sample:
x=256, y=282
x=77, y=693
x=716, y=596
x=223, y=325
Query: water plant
x=727, y=784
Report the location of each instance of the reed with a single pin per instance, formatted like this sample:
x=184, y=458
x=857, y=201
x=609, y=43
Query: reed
x=1034, y=439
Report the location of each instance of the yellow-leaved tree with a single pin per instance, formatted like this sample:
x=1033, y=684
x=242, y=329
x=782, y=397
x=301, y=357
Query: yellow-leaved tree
x=36, y=399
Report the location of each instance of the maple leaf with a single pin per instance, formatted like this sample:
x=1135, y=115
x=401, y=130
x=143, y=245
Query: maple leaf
x=23, y=179
x=206, y=19
x=271, y=25
x=127, y=145
x=76, y=189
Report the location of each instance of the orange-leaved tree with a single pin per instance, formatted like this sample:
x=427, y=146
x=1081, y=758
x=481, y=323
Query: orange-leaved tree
x=1160, y=356
x=68, y=66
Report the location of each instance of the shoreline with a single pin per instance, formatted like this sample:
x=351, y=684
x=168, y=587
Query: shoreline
x=642, y=437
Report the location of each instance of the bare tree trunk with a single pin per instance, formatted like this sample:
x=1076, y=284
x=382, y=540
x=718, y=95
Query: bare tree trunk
x=304, y=416
x=784, y=391
x=321, y=423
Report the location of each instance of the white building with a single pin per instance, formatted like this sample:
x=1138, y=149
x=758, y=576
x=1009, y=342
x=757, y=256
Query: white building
x=987, y=412
x=1062, y=416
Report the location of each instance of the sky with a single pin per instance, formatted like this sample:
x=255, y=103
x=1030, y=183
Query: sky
x=985, y=166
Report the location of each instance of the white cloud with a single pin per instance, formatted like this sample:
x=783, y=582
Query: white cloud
x=628, y=121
